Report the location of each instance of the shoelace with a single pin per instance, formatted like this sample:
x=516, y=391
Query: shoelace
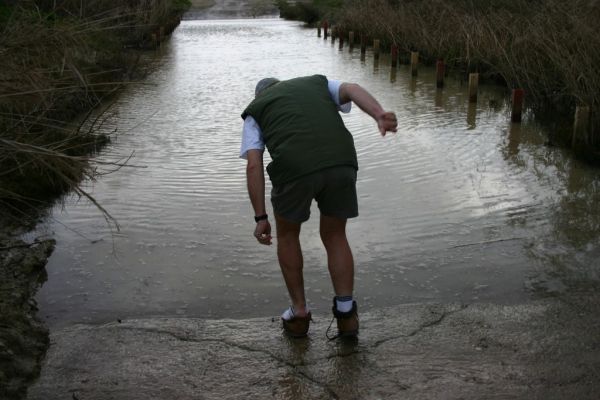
x=328, y=329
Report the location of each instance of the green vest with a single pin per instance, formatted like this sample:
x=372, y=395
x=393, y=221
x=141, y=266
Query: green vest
x=301, y=128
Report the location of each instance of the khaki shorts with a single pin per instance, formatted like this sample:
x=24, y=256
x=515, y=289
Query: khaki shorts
x=334, y=189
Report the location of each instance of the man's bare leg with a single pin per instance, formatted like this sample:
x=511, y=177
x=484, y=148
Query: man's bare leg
x=290, y=258
x=339, y=256
x=341, y=269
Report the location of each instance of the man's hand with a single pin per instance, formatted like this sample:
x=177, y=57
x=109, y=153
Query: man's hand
x=262, y=233
x=387, y=122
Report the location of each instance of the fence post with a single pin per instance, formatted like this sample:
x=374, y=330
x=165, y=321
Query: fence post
x=517, y=105
x=473, y=86
x=319, y=31
x=394, y=55
x=439, y=73
x=414, y=63
x=363, y=47
x=341, y=36
x=581, y=128
x=472, y=115
x=376, y=49
x=325, y=26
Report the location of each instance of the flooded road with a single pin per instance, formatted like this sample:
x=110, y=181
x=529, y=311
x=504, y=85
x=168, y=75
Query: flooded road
x=460, y=205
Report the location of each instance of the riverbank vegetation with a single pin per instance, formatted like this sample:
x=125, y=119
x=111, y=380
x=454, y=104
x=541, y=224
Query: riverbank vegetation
x=550, y=48
x=58, y=61
x=309, y=11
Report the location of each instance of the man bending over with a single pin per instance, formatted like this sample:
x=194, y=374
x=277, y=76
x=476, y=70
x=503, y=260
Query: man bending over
x=313, y=157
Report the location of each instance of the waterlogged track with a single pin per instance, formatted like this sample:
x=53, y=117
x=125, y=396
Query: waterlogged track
x=460, y=205
x=226, y=9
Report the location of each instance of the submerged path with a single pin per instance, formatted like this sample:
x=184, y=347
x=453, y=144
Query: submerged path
x=546, y=349
x=483, y=240
x=225, y=9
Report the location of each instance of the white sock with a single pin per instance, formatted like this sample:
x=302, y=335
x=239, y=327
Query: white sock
x=343, y=303
x=289, y=313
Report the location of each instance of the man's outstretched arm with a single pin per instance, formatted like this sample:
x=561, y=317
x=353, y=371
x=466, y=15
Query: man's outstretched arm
x=255, y=177
x=386, y=121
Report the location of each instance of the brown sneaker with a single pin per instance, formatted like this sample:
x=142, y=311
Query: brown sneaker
x=297, y=327
x=347, y=322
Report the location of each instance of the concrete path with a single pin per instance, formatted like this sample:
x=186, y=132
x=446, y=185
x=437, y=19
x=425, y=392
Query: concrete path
x=549, y=349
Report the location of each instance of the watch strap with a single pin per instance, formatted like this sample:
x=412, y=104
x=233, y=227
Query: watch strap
x=260, y=217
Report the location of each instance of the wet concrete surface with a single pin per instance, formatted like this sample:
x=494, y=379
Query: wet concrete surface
x=547, y=349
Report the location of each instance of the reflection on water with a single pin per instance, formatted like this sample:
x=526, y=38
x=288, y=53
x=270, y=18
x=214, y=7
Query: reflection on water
x=567, y=256
x=460, y=205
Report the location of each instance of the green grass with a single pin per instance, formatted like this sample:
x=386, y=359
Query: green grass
x=5, y=13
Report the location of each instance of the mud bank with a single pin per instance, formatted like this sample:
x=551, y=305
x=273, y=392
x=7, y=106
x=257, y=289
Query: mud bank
x=23, y=338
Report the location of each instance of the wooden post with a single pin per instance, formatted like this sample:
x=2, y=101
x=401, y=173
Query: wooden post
x=439, y=73
x=351, y=39
x=363, y=47
x=394, y=55
x=472, y=115
x=514, y=139
x=376, y=49
x=581, y=129
x=414, y=63
x=325, y=26
x=438, y=99
x=517, y=105
x=341, y=35
x=318, y=31
x=473, y=87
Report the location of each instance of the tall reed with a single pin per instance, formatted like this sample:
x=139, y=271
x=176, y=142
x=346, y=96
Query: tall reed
x=59, y=60
x=550, y=48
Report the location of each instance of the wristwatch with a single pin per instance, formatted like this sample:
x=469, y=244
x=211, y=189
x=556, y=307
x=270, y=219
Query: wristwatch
x=260, y=217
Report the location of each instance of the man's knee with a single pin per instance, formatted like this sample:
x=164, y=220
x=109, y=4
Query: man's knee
x=286, y=229
x=332, y=230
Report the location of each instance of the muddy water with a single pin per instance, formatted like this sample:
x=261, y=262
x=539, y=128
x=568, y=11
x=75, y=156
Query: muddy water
x=460, y=205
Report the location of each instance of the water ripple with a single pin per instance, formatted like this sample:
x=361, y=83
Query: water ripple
x=437, y=200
